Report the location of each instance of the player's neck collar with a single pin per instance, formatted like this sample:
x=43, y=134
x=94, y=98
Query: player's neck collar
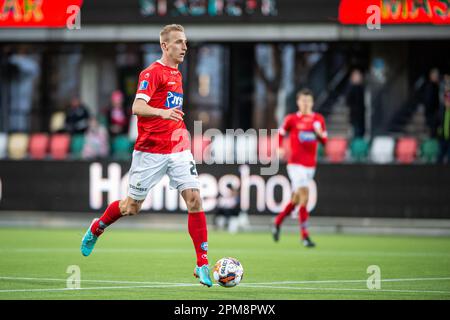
x=165, y=65
x=305, y=114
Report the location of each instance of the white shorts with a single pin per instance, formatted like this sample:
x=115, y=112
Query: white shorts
x=147, y=169
x=299, y=175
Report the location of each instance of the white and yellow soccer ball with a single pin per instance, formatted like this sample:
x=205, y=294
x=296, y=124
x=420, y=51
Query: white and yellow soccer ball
x=228, y=272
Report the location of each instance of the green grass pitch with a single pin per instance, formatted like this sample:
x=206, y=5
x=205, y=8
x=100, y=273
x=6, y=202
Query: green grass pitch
x=148, y=264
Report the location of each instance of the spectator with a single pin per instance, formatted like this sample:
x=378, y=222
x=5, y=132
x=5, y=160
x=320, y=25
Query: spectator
x=77, y=117
x=96, y=143
x=116, y=116
x=355, y=101
x=444, y=124
x=431, y=101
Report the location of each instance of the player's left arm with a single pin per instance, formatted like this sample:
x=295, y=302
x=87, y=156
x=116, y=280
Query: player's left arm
x=320, y=129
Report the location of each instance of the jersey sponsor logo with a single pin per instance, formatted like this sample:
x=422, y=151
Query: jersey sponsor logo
x=306, y=136
x=143, y=85
x=174, y=99
x=137, y=188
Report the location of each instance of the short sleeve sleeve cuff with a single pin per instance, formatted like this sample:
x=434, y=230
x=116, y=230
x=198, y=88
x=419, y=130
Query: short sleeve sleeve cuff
x=143, y=96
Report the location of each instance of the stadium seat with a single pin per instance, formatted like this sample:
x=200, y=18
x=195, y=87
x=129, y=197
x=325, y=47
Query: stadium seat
x=57, y=122
x=429, y=151
x=359, y=149
x=3, y=145
x=59, y=146
x=38, y=145
x=382, y=150
x=335, y=149
x=18, y=146
x=406, y=150
x=76, y=145
x=121, y=147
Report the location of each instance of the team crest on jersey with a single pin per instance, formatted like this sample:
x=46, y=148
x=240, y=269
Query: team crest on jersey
x=143, y=85
x=306, y=136
x=174, y=99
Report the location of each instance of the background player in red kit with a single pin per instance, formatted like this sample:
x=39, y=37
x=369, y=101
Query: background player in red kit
x=305, y=129
x=162, y=147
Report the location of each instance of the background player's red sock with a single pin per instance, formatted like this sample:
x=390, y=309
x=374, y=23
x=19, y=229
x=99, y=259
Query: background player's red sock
x=111, y=214
x=199, y=235
x=283, y=214
x=303, y=220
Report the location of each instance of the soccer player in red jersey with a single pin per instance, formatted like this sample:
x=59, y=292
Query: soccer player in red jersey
x=305, y=129
x=162, y=147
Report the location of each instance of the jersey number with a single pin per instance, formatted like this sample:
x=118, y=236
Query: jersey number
x=193, y=169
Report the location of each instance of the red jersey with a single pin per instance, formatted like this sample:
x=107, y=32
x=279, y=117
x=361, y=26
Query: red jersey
x=161, y=87
x=302, y=137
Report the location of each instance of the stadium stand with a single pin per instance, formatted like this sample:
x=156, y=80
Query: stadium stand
x=38, y=146
x=59, y=146
x=18, y=146
x=382, y=149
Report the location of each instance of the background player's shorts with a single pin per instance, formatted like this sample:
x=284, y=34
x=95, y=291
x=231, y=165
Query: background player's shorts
x=147, y=169
x=299, y=175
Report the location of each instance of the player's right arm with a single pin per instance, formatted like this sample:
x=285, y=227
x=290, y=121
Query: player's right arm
x=141, y=108
x=282, y=132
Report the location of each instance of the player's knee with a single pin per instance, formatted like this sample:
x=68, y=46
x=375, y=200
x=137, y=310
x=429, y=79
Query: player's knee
x=131, y=209
x=123, y=207
x=194, y=203
x=303, y=201
x=304, y=197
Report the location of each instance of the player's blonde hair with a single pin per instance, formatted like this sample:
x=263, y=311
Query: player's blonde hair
x=165, y=32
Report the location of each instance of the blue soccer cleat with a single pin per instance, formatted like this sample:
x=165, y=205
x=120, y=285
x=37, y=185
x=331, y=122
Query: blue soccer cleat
x=203, y=274
x=88, y=241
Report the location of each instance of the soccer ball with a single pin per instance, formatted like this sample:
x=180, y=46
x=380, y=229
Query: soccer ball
x=228, y=272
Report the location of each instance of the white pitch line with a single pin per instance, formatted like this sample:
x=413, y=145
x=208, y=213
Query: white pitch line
x=98, y=288
x=247, y=283
x=347, y=289
x=240, y=251
x=348, y=281
x=93, y=281
x=270, y=285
